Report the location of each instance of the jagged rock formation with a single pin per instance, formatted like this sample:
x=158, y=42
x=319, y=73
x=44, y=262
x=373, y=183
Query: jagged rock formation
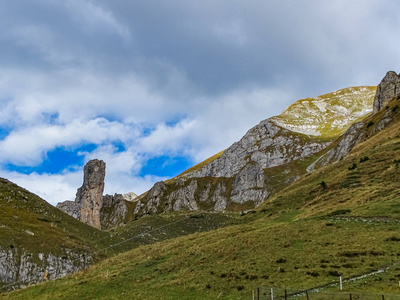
x=113, y=211
x=237, y=179
x=387, y=90
x=266, y=144
x=89, y=196
x=25, y=267
x=90, y=206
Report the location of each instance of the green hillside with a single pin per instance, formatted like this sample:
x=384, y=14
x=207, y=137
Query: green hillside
x=328, y=115
x=341, y=220
x=32, y=230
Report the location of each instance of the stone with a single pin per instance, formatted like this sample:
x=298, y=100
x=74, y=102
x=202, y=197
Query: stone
x=22, y=268
x=70, y=207
x=129, y=196
x=388, y=89
x=113, y=211
x=90, y=195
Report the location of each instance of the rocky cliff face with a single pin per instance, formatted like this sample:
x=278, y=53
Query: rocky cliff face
x=388, y=89
x=113, y=211
x=237, y=179
x=89, y=196
x=22, y=267
x=90, y=206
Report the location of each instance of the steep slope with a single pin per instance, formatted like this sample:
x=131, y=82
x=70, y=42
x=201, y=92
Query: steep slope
x=342, y=219
x=37, y=241
x=239, y=177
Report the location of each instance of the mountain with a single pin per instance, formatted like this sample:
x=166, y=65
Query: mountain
x=270, y=156
x=342, y=219
x=39, y=242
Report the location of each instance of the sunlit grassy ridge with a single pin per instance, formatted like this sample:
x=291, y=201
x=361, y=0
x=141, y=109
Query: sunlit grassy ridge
x=328, y=115
x=343, y=219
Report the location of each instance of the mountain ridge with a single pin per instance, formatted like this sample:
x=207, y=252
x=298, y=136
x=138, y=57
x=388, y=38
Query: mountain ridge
x=240, y=168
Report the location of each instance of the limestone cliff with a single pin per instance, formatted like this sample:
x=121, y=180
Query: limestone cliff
x=247, y=173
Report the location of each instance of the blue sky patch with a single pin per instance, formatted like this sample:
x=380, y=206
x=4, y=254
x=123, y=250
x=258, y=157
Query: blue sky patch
x=166, y=166
x=57, y=161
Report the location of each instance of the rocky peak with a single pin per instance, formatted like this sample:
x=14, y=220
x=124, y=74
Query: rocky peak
x=387, y=90
x=90, y=195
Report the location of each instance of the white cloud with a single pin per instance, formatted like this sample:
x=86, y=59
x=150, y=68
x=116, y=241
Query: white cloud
x=29, y=145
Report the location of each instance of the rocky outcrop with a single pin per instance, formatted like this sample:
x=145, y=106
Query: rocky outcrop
x=129, y=196
x=90, y=206
x=70, y=207
x=249, y=185
x=89, y=196
x=266, y=144
x=19, y=266
x=388, y=89
x=113, y=212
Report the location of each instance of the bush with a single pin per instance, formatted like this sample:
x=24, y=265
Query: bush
x=339, y=212
x=370, y=123
x=353, y=166
x=334, y=273
x=324, y=185
x=363, y=159
x=281, y=261
x=394, y=109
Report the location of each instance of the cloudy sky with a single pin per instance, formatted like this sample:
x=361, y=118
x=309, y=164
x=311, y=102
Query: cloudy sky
x=153, y=87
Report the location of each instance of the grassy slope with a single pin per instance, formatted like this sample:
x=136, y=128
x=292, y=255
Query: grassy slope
x=332, y=122
x=305, y=236
x=22, y=212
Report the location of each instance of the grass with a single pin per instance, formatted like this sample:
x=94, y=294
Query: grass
x=331, y=123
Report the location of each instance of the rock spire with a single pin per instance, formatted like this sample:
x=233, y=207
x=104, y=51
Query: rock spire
x=89, y=196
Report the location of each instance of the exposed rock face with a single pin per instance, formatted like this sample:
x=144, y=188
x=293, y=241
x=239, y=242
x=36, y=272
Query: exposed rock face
x=70, y=207
x=266, y=144
x=249, y=185
x=237, y=177
x=129, y=196
x=113, y=212
x=387, y=90
x=23, y=267
x=89, y=196
x=90, y=206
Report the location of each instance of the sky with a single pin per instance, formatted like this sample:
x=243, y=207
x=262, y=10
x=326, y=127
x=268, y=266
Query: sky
x=154, y=87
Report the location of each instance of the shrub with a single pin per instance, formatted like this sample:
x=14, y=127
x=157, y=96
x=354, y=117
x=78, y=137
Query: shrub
x=370, y=123
x=281, y=261
x=339, y=212
x=363, y=159
x=353, y=166
x=324, y=185
x=394, y=109
x=334, y=273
